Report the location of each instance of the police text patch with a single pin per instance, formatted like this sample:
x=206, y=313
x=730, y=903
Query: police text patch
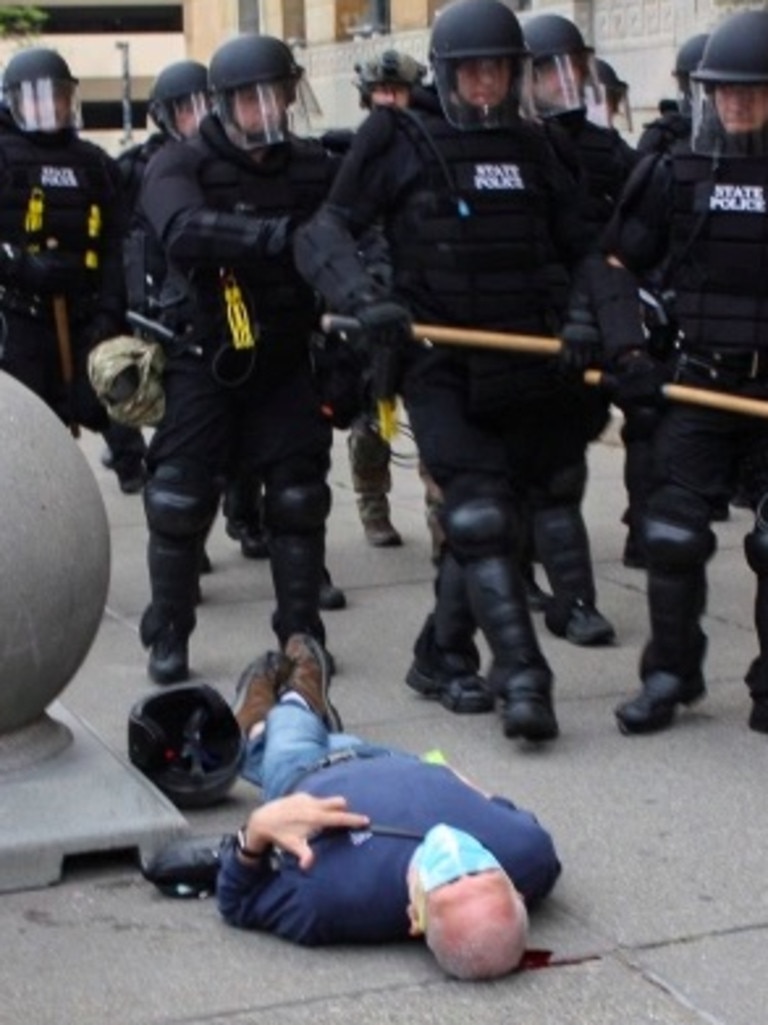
x=58, y=177
x=738, y=198
x=498, y=176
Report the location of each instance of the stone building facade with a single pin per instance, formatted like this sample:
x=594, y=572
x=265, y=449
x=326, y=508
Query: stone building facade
x=639, y=37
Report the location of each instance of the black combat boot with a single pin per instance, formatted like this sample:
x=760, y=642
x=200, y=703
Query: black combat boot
x=521, y=677
x=671, y=665
x=653, y=708
x=563, y=547
x=170, y=618
x=446, y=661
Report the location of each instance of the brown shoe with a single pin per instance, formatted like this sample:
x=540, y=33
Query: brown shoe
x=309, y=677
x=256, y=690
x=381, y=534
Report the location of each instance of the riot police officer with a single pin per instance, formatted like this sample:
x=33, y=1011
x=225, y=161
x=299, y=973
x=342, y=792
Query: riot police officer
x=618, y=106
x=224, y=205
x=568, y=95
x=388, y=79
x=475, y=204
x=703, y=213
x=60, y=258
x=673, y=125
x=177, y=103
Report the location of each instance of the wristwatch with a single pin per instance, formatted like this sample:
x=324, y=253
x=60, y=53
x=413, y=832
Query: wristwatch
x=241, y=846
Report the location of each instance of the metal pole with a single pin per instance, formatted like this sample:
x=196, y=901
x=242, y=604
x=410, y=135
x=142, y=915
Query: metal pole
x=125, y=54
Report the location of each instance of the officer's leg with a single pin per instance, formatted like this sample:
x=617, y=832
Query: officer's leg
x=678, y=544
x=297, y=503
x=446, y=661
x=180, y=500
x=478, y=528
x=562, y=544
x=369, y=456
x=243, y=509
x=124, y=454
x=756, y=549
x=637, y=434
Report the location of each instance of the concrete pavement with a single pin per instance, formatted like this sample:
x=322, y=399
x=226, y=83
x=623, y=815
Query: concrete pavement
x=661, y=915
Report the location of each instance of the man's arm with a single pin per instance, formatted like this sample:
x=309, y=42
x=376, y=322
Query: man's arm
x=289, y=822
x=246, y=881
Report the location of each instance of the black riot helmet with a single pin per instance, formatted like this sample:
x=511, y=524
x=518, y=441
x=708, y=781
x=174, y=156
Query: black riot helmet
x=390, y=68
x=565, y=75
x=41, y=91
x=186, y=740
x=178, y=100
x=254, y=79
x=730, y=88
x=472, y=38
x=616, y=95
x=686, y=61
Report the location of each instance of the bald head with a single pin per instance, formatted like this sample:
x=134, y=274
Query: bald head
x=476, y=926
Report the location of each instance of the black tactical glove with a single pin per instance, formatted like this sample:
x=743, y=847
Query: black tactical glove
x=45, y=273
x=582, y=341
x=385, y=324
x=637, y=379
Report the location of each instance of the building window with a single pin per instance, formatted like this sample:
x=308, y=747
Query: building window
x=109, y=20
x=361, y=18
x=248, y=15
x=294, y=24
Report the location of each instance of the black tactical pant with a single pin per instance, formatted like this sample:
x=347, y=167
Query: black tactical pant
x=698, y=454
x=275, y=428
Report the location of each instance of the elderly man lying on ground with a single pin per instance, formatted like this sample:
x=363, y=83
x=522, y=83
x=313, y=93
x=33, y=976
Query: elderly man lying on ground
x=357, y=843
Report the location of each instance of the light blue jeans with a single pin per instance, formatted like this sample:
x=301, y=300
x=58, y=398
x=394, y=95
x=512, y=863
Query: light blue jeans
x=294, y=742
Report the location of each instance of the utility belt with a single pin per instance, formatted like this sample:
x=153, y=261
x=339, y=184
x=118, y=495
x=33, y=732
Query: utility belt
x=723, y=364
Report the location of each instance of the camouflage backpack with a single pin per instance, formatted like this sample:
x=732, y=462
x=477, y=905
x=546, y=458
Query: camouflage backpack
x=126, y=374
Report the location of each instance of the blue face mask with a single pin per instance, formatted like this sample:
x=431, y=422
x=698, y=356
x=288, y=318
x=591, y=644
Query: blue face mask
x=447, y=854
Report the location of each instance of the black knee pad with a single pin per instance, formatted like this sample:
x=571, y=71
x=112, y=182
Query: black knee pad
x=297, y=508
x=673, y=547
x=180, y=499
x=567, y=484
x=478, y=528
x=756, y=544
x=640, y=423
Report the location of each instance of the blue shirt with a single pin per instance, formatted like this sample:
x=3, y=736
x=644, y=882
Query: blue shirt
x=356, y=892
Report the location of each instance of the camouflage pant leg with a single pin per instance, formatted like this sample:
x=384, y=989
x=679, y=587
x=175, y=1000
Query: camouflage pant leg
x=369, y=457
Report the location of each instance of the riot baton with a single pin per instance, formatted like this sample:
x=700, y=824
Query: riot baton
x=64, y=341
x=542, y=345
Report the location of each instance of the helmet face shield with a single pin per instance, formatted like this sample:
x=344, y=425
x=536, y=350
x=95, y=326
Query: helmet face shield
x=484, y=92
x=44, y=105
x=255, y=115
x=569, y=81
x=730, y=118
x=181, y=116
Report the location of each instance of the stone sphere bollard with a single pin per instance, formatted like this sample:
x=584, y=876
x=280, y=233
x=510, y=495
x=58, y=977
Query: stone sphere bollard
x=54, y=556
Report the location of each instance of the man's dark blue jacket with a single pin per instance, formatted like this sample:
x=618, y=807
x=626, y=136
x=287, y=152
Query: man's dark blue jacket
x=356, y=889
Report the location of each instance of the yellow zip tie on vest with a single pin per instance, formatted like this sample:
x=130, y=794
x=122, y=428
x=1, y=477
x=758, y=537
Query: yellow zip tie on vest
x=33, y=220
x=386, y=414
x=237, y=314
x=94, y=230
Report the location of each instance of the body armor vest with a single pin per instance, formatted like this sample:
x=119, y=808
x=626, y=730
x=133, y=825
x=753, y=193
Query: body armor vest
x=718, y=252
x=606, y=167
x=54, y=196
x=292, y=181
x=471, y=242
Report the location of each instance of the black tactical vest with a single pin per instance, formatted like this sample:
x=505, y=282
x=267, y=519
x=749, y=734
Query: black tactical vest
x=293, y=181
x=470, y=242
x=54, y=195
x=606, y=165
x=718, y=263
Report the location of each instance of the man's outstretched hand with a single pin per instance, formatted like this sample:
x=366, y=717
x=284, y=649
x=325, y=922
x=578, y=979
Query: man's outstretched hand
x=289, y=822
